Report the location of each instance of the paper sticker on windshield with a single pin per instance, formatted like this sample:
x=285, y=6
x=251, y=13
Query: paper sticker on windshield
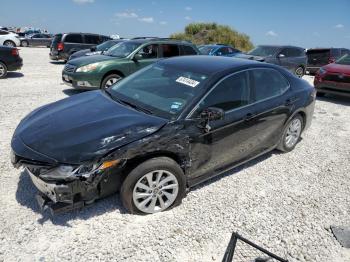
x=187, y=81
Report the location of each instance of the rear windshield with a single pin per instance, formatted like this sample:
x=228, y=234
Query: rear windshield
x=344, y=60
x=57, y=38
x=264, y=51
x=318, y=56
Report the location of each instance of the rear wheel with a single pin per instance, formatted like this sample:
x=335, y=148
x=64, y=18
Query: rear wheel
x=110, y=80
x=299, y=72
x=153, y=186
x=9, y=43
x=291, y=134
x=24, y=43
x=3, y=70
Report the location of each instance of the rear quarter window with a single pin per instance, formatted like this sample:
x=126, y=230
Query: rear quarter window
x=92, y=39
x=73, y=38
x=188, y=50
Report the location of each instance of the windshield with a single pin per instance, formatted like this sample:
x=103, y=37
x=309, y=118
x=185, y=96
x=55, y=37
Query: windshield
x=162, y=91
x=123, y=49
x=206, y=50
x=264, y=51
x=106, y=45
x=344, y=60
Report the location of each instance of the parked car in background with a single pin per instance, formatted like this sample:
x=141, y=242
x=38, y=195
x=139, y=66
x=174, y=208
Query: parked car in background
x=64, y=45
x=160, y=131
x=36, y=40
x=96, y=50
x=290, y=57
x=318, y=57
x=102, y=71
x=9, y=60
x=218, y=50
x=334, y=78
x=9, y=39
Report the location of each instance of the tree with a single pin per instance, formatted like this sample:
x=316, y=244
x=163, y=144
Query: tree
x=210, y=33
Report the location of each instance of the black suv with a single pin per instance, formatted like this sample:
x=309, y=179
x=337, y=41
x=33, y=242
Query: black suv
x=64, y=45
x=318, y=57
x=292, y=58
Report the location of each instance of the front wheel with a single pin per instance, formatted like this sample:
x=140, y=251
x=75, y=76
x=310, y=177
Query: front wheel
x=291, y=134
x=110, y=80
x=24, y=43
x=299, y=72
x=153, y=186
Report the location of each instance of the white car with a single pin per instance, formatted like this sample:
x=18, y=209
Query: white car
x=9, y=39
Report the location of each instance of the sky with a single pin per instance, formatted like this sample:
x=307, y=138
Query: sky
x=305, y=23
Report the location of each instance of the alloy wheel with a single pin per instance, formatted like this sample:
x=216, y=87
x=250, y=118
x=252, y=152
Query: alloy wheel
x=2, y=70
x=111, y=81
x=155, y=191
x=9, y=43
x=299, y=72
x=24, y=43
x=293, y=132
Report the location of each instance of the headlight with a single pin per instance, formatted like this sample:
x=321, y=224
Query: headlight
x=322, y=71
x=68, y=173
x=88, y=68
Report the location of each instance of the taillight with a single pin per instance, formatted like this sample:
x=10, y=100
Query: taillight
x=60, y=46
x=14, y=52
x=331, y=60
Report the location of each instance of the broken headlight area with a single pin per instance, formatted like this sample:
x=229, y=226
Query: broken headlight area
x=84, y=172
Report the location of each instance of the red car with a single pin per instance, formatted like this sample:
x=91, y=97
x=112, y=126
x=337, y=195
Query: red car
x=334, y=78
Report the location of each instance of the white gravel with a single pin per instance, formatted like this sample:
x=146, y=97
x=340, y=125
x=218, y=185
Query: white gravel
x=285, y=202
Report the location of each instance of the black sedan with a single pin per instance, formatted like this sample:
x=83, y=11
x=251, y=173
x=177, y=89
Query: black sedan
x=9, y=60
x=164, y=129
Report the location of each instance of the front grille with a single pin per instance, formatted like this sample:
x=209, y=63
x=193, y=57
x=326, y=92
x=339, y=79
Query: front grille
x=69, y=68
x=337, y=78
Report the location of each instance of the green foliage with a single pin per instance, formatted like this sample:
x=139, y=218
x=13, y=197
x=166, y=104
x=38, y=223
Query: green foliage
x=211, y=33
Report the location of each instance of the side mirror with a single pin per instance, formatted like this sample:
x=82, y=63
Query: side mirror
x=281, y=56
x=137, y=57
x=93, y=49
x=212, y=114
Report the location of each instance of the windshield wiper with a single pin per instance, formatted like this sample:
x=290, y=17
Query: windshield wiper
x=123, y=102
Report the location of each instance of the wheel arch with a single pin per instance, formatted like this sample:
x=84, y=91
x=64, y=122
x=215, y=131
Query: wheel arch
x=110, y=72
x=300, y=112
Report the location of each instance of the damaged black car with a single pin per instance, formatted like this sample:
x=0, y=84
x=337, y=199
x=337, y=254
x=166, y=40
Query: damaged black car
x=160, y=131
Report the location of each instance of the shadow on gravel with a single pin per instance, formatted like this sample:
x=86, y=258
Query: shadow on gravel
x=236, y=170
x=336, y=99
x=72, y=92
x=57, y=62
x=14, y=75
x=25, y=195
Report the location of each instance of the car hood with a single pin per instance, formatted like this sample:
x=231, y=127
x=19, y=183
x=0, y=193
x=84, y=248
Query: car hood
x=338, y=68
x=83, y=127
x=85, y=60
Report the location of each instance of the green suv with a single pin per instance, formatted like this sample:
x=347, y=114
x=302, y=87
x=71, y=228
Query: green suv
x=102, y=71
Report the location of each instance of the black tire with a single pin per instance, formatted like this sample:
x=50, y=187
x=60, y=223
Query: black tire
x=320, y=94
x=282, y=146
x=299, y=71
x=9, y=43
x=158, y=163
x=105, y=82
x=24, y=43
x=3, y=70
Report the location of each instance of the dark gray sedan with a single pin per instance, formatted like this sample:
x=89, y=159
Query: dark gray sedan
x=36, y=40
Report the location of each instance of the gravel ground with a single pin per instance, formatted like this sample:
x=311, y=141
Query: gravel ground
x=285, y=202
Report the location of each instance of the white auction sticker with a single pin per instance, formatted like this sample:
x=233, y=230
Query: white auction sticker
x=187, y=81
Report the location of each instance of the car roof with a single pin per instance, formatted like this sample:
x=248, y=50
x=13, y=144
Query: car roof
x=158, y=41
x=282, y=46
x=216, y=64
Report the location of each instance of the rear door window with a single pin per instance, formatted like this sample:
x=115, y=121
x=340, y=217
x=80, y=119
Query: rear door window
x=188, y=50
x=268, y=83
x=92, y=39
x=74, y=38
x=170, y=50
